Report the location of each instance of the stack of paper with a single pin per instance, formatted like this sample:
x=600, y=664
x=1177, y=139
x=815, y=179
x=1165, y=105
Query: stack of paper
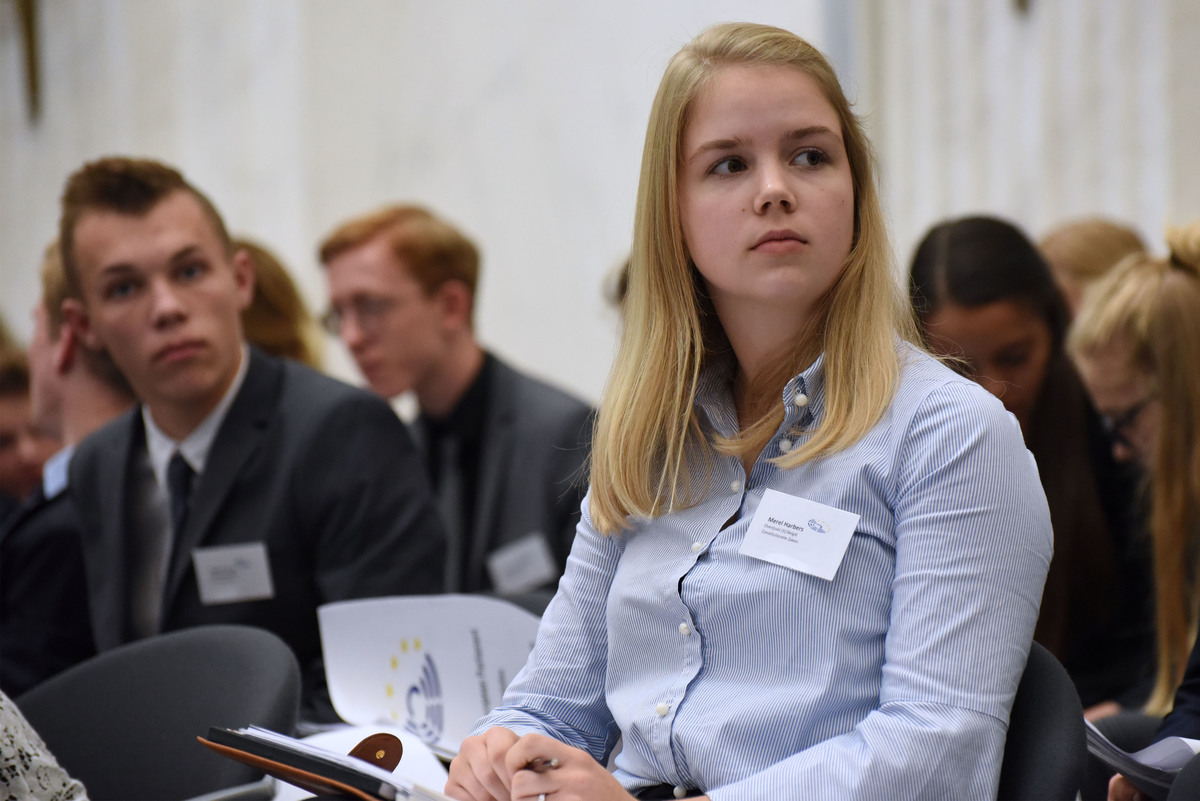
x=1152, y=770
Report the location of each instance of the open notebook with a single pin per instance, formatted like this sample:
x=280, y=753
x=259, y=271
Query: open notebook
x=365, y=774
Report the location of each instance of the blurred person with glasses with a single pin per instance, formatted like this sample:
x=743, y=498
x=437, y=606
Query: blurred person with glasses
x=1137, y=343
x=505, y=451
x=1120, y=424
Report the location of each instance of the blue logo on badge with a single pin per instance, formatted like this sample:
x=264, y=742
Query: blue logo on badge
x=819, y=526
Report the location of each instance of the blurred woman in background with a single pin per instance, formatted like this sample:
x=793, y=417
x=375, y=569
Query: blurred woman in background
x=1137, y=343
x=277, y=320
x=985, y=297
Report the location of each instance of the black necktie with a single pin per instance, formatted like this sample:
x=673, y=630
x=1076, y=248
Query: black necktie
x=179, y=485
x=449, y=502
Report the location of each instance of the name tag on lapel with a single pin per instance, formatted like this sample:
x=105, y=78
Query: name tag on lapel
x=231, y=573
x=523, y=565
x=799, y=534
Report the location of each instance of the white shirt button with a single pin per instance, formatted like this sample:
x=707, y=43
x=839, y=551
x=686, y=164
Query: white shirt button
x=785, y=445
x=735, y=485
x=800, y=400
x=697, y=547
x=685, y=629
x=662, y=709
x=680, y=792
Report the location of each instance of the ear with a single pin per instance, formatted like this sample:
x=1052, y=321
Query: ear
x=243, y=276
x=77, y=319
x=65, y=349
x=455, y=301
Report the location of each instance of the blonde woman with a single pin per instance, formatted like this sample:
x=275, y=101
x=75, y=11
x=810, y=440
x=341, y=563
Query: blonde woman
x=1137, y=343
x=811, y=558
x=277, y=320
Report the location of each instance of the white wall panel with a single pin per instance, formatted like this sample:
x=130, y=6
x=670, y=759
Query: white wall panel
x=523, y=122
x=1073, y=107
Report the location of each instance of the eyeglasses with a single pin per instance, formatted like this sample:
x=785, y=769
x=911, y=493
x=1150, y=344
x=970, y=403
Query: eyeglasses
x=1116, y=426
x=367, y=311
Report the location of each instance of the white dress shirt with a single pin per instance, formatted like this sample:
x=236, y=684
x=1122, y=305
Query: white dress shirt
x=195, y=447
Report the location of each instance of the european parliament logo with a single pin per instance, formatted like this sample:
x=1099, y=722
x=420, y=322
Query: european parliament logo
x=422, y=705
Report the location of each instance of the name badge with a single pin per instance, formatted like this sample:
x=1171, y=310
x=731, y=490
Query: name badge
x=799, y=534
x=522, y=565
x=231, y=573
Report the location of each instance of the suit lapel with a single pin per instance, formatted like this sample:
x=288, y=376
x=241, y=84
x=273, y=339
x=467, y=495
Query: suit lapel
x=498, y=434
x=25, y=509
x=239, y=436
x=106, y=545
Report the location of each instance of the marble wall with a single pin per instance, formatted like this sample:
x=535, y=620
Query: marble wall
x=523, y=121
x=1069, y=108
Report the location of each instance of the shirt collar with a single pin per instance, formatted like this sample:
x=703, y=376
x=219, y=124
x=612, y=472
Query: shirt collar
x=196, y=445
x=54, y=472
x=803, y=396
x=466, y=419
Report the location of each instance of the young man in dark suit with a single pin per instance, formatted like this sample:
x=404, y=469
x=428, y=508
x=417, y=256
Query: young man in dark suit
x=244, y=488
x=505, y=451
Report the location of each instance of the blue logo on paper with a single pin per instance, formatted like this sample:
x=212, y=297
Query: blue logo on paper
x=424, y=706
x=819, y=526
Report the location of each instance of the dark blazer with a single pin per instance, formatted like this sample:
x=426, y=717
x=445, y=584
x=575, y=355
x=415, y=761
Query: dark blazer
x=8, y=506
x=1184, y=718
x=531, y=473
x=322, y=473
x=44, y=624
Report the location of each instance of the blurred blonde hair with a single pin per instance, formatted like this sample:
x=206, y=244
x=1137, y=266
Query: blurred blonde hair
x=7, y=340
x=55, y=287
x=1086, y=249
x=277, y=320
x=1153, y=306
x=1081, y=251
x=641, y=457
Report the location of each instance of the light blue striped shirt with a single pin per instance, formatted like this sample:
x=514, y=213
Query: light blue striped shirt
x=750, y=680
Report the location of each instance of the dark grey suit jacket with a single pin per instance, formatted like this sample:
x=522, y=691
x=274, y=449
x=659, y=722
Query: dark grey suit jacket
x=531, y=473
x=44, y=625
x=320, y=472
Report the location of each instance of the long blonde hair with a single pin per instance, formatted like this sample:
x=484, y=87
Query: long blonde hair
x=641, y=459
x=277, y=319
x=1153, y=306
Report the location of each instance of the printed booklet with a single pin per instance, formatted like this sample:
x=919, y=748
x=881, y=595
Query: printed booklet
x=1151, y=770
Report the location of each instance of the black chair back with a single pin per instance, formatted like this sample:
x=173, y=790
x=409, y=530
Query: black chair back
x=125, y=722
x=1046, y=749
